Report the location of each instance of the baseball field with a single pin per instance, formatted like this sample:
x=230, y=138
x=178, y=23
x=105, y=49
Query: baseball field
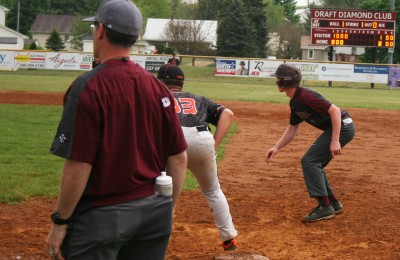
x=267, y=201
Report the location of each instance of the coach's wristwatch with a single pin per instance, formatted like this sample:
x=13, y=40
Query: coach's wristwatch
x=56, y=219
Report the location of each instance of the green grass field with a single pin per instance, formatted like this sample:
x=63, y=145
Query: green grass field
x=27, y=169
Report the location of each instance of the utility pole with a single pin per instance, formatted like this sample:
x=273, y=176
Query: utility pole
x=390, y=50
x=18, y=17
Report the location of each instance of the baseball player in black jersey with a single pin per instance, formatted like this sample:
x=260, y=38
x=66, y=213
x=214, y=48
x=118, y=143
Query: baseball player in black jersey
x=195, y=113
x=338, y=129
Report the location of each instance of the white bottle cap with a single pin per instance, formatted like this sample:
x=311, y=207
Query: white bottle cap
x=164, y=179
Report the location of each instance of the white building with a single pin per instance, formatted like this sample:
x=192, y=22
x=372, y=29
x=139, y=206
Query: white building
x=156, y=30
x=9, y=39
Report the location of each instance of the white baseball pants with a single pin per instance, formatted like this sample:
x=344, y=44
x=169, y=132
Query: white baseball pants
x=203, y=164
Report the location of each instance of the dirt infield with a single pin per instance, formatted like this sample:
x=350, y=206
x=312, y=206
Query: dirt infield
x=267, y=200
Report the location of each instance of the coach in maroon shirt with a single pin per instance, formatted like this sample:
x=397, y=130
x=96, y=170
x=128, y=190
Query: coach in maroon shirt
x=118, y=131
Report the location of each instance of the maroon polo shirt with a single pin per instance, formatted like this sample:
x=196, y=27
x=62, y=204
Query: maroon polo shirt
x=121, y=120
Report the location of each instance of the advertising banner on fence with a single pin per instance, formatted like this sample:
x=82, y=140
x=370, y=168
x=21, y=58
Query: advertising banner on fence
x=29, y=60
x=10, y=60
x=370, y=73
x=225, y=67
x=394, y=77
x=67, y=61
x=153, y=63
x=6, y=60
x=310, y=70
x=263, y=68
x=252, y=68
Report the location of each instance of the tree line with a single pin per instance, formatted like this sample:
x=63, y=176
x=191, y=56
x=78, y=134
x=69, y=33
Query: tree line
x=245, y=27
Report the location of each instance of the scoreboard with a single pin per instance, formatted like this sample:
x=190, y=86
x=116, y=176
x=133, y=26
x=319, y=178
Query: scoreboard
x=353, y=28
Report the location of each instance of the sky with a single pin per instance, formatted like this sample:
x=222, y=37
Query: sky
x=301, y=2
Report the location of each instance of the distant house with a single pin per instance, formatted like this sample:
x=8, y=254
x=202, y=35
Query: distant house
x=9, y=39
x=45, y=24
x=204, y=30
x=313, y=52
x=320, y=53
x=140, y=47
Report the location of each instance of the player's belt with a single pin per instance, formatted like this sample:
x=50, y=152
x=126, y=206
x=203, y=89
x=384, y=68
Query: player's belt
x=202, y=128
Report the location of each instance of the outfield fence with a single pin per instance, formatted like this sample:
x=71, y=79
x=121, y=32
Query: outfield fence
x=388, y=74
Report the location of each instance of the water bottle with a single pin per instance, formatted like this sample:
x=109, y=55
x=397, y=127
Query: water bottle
x=163, y=185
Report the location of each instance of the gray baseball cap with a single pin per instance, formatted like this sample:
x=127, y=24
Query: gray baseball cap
x=121, y=16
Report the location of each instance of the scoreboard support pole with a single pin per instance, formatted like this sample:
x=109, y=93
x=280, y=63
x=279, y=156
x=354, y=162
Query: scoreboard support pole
x=330, y=58
x=390, y=52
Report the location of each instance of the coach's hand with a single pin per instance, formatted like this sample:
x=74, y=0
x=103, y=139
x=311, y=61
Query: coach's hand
x=54, y=241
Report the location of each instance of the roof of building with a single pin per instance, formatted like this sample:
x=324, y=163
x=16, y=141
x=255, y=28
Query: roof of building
x=13, y=32
x=47, y=23
x=156, y=29
x=4, y=8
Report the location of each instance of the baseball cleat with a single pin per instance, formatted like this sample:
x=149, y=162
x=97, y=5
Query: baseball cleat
x=337, y=206
x=319, y=213
x=229, y=245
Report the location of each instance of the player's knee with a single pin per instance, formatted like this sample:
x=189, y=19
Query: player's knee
x=306, y=162
x=212, y=191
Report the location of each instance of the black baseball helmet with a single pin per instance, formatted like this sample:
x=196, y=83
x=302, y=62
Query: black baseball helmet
x=289, y=75
x=169, y=71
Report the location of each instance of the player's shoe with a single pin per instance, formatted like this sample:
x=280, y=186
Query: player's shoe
x=319, y=213
x=337, y=206
x=229, y=245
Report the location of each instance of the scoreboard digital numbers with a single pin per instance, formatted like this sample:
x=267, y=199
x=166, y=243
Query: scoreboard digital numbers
x=353, y=28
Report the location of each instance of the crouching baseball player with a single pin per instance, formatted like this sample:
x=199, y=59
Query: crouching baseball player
x=195, y=113
x=337, y=128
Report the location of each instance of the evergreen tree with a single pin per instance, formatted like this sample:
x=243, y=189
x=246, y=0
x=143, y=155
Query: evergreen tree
x=33, y=46
x=255, y=10
x=234, y=31
x=54, y=42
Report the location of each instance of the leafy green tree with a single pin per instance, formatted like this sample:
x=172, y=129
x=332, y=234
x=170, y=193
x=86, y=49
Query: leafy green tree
x=54, y=42
x=153, y=9
x=68, y=7
x=29, y=9
x=342, y=4
x=275, y=13
x=209, y=9
x=307, y=22
x=234, y=31
x=187, y=11
x=255, y=10
x=7, y=3
x=290, y=9
x=79, y=30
